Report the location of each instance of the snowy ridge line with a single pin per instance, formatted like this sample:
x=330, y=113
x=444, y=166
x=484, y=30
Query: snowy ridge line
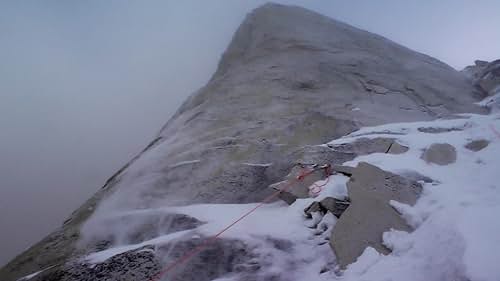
x=304, y=173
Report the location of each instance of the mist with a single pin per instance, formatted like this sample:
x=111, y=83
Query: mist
x=85, y=85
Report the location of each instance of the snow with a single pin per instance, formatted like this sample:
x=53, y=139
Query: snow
x=28, y=277
x=183, y=163
x=457, y=230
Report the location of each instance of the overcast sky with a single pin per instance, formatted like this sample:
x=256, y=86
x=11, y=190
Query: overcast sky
x=84, y=85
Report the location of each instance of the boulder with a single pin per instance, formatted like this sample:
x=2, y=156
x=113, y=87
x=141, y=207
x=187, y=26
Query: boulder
x=440, y=154
x=477, y=145
x=437, y=130
x=370, y=213
x=397, y=148
x=298, y=181
x=328, y=204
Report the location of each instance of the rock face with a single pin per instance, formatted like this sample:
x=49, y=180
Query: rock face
x=290, y=80
x=440, y=153
x=485, y=75
x=370, y=214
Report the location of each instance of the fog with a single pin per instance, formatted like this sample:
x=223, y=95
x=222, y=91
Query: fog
x=85, y=85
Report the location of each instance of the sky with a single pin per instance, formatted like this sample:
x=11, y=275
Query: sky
x=85, y=85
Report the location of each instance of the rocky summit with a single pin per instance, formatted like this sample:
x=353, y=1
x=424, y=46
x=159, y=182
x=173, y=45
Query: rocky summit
x=290, y=81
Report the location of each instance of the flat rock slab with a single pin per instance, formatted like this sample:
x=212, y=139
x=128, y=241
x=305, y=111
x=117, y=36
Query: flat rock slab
x=440, y=153
x=370, y=214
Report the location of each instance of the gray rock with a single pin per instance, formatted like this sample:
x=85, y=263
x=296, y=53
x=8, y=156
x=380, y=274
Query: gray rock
x=480, y=63
x=440, y=153
x=224, y=256
x=334, y=205
x=288, y=197
x=320, y=154
x=314, y=207
x=415, y=176
x=370, y=214
x=397, y=148
x=364, y=146
x=299, y=180
x=328, y=204
x=138, y=264
x=345, y=170
x=141, y=226
x=477, y=145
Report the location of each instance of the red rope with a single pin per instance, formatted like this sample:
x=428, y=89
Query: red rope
x=317, y=188
x=212, y=239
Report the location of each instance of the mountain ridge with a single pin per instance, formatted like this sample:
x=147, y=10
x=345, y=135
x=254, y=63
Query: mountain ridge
x=279, y=92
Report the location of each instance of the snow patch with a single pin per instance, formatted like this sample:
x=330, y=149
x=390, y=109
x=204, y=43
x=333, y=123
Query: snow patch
x=183, y=163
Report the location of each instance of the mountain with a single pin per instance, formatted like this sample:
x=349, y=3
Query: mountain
x=290, y=81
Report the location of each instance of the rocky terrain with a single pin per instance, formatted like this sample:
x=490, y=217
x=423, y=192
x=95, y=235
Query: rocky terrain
x=293, y=89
